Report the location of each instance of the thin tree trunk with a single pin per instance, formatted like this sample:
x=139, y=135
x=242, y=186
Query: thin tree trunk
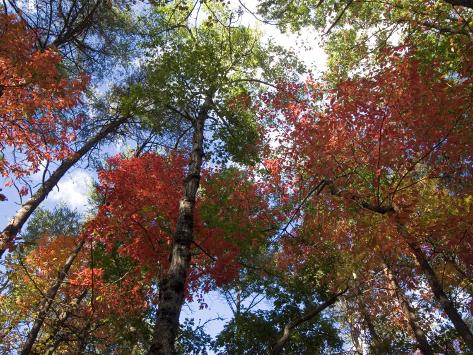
x=441, y=297
x=172, y=286
x=355, y=333
x=81, y=347
x=47, y=303
x=289, y=328
x=434, y=283
x=63, y=317
x=355, y=328
x=409, y=313
x=376, y=340
x=237, y=320
x=14, y=226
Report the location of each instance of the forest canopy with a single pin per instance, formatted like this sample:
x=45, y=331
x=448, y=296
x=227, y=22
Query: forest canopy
x=318, y=192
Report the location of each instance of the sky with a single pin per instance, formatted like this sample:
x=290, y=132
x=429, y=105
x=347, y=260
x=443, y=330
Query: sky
x=74, y=187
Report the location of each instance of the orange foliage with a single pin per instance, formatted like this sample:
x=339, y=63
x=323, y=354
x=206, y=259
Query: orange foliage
x=34, y=99
x=376, y=141
x=141, y=207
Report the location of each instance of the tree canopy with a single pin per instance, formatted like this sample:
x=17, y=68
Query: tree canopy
x=329, y=211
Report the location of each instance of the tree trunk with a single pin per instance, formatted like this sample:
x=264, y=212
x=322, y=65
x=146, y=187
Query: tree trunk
x=172, y=285
x=47, y=303
x=354, y=327
x=237, y=320
x=289, y=328
x=441, y=297
x=83, y=337
x=435, y=285
x=14, y=226
x=63, y=317
x=376, y=342
x=409, y=313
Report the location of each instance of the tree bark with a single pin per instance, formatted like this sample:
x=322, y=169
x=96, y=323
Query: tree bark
x=409, y=313
x=237, y=321
x=47, y=303
x=440, y=295
x=289, y=328
x=83, y=337
x=376, y=342
x=14, y=226
x=434, y=283
x=172, y=285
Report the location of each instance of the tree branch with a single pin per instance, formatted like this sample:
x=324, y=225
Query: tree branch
x=278, y=347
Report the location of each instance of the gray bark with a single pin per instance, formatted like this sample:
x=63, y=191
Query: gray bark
x=172, y=286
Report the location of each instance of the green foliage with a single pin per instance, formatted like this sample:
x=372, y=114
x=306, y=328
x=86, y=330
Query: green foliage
x=354, y=31
x=61, y=221
x=256, y=332
x=222, y=206
x=250, y=333
x=208, y=67
x=255, y=329
x=192, y=339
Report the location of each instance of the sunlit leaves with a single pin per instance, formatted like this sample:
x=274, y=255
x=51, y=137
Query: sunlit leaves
x=35, y=101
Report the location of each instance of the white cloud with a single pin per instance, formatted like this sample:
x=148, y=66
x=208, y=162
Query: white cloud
x=73, y=190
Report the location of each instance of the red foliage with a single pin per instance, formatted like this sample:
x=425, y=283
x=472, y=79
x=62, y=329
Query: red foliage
x=375, y=133
x=141, y=207
x=379, y=139
x=34, y=98
x=120, y=299
x=123, y=298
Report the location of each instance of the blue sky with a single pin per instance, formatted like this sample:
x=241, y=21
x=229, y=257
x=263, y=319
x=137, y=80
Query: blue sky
x=74, y=187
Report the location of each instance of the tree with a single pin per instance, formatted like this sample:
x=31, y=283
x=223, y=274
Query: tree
x=35, y=100
x=293, y=320
x=19, y=219
x=138, y=223
x=207, y=85
x=371, y=152
x=71, y=295
x=353, y=32
x=332, y=214
x=47, y=227
x=88, y=33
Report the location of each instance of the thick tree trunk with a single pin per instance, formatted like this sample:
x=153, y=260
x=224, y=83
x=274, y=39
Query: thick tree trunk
x=409, y=313
x=289, y=328
x=440, y=295
x=47, y=303
x=14, y=226
x=172, y=286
